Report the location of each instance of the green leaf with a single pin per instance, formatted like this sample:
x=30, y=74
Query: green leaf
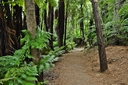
x=28, y=83
x=46, y=66
x=19, y=80
x=52, y=2
x=43, y=83
x=29, y=78
x=31, y=73
x=5, y=79
x=24, y=76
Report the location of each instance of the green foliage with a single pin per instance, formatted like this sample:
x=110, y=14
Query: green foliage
x=41, y=3
x=43, y=6
x=15, y=74
x=8, y=62
x=70, y=45
x=115, y=17
x=25, y=75
x=46, y=62
x=91, y=37
x=75, y=16
x=53, y=2
x=39, y=42
x=123, y=10
x=57, y=51
x=14, y=69
x=20, y=3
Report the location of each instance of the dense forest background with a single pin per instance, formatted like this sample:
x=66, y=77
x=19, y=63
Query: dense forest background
x=33, y=33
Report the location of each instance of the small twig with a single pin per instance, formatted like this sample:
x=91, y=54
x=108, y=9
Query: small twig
x=122, y=63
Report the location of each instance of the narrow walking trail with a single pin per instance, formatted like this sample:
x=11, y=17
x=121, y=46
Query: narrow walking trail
x=71, y=70
x=79, y=68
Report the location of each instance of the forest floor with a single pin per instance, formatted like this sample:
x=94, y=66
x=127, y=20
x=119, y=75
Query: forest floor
x=81, y=67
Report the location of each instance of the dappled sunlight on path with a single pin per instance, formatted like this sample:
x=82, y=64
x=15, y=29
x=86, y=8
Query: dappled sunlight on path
x=78, y=49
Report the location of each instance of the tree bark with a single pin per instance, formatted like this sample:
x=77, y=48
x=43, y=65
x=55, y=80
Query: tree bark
x=37, y=14
x=17, y=17
x=101, y=47
x=82, y=22
x=66, y=18
x=50, y=25
x=45, y=19
x=61, y=23
x=9, y=14
x=31, y=26
x=30, y=17
x=2, y=31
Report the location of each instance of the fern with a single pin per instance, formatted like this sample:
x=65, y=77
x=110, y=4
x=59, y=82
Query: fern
x=24, y=75
x=47, y=61
x=15, y=71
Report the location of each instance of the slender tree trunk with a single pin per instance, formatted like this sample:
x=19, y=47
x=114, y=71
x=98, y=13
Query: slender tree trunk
x=2, y=31
x=66, y=18
x=117, y=22
x=82, y=22
x=73, y=26
x=115, y=16
x=24, y=26
x=45, y=20
x=90, y=40
x=101, y=47
x=56, y=13
x=61, y=23
x=31, y=26
x=30, y=17
x=37, y=14
x=9, y=14
x=50, y=21
x=18, y=22
x=1, y=28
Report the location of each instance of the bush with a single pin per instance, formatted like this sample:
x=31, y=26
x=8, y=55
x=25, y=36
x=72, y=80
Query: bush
x=14, y=69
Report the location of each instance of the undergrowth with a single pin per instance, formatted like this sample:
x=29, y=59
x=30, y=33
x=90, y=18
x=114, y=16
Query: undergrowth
x=14, y=70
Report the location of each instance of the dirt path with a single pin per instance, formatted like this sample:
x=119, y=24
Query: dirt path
x=71, y=70
x=79, y=68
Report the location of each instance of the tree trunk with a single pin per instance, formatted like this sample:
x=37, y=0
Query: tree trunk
x=66, y=18
x=50, y=23
x=82, y=22
x=2, y=31
x=45, y=19
x=116, y=16
x=9, y=14
x=30, y=17
x=61, y=23
x=90, y=40
x=101, y=47
x=31, y=26
x=37, y=14
x=18, y=22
